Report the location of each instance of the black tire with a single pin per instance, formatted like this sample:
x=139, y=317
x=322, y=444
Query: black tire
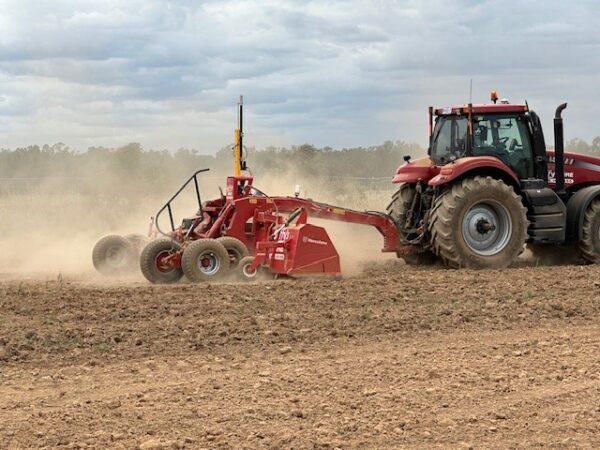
x=397, y=210
x=235, y=248
x=149, y=262
x=478, y=223
x=197, y=253
x=260, y=274
x=113, y=255
x=590, y=240
x=242, y=271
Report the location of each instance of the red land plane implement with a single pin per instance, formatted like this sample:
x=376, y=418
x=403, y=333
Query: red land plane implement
x=487, y=188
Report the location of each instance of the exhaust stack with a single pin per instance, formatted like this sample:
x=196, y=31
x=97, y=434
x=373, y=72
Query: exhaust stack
x=559, y=150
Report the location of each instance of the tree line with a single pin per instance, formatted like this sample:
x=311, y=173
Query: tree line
x=132, y=168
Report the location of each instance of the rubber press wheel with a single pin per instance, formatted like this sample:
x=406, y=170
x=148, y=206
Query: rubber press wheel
x=236, y=249
x=204, y=260
x=153, y=264
x=113, y=255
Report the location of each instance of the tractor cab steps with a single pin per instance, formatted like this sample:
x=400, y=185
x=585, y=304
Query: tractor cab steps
x=546, y=213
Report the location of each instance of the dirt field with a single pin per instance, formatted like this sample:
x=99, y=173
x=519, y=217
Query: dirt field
x=393, y=358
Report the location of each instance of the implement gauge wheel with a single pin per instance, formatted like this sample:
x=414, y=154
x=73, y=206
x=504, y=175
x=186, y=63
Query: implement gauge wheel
x=236, y=249
x=204, y=260
x=113, y=255
x=590, y=241
x=479, y=223
x=244, y=272
x=154, y=262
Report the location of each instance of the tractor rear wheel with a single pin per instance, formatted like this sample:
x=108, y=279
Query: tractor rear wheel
x=153, y=264
x=205, y=259
x=590, y=241
x=113, y=255
x=236, y=249
x=398, y=210
x=479, y=223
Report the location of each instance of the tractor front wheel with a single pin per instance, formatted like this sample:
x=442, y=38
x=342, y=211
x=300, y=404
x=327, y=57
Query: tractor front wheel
x=479, y=223
x=113, y=255
x=398, y=210
x=154, y=262
x=590, y=241
x=205, y=259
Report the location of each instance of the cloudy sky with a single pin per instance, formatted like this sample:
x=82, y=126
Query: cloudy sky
x=341, y=73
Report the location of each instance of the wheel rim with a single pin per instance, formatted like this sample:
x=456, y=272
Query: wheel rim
x=208, y=263
x=249, y=273
x=487, y=228
x=162, y=263
x=116, y=255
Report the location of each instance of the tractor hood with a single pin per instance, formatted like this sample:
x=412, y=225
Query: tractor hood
x=421, y=169
x=579, y=169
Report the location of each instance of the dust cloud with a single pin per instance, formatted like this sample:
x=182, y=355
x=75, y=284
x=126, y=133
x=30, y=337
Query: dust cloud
x=49, y=230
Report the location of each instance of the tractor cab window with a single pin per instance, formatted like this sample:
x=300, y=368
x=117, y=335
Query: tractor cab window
x=505, y=137
x=449, y=140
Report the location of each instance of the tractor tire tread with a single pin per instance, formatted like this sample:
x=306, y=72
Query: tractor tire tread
x=590, y=250
x=442, y=234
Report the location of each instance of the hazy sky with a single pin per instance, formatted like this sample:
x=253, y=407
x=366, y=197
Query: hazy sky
x=339, y=73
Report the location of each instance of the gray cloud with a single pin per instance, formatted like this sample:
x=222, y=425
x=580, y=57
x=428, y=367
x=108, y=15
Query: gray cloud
x=340, y=73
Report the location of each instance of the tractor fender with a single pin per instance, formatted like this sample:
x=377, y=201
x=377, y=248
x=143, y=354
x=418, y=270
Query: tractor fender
x=421, y=169
x=475, y=165
x=576, y=207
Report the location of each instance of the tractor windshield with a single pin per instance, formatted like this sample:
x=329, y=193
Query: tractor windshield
x=449, y=140
x=505, y=137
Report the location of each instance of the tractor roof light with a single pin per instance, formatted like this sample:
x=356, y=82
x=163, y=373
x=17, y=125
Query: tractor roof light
x=494, y=96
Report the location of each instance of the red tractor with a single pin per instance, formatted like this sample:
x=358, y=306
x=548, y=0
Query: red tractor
x=489, y=186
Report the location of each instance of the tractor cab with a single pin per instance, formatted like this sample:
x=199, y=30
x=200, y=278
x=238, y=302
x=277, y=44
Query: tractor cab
x=488, y=165
x=502, y=130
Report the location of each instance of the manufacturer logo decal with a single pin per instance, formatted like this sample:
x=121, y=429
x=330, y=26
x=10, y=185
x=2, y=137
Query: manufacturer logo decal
x=313, y=241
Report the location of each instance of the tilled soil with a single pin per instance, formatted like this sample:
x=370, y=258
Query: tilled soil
x=395, y=358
